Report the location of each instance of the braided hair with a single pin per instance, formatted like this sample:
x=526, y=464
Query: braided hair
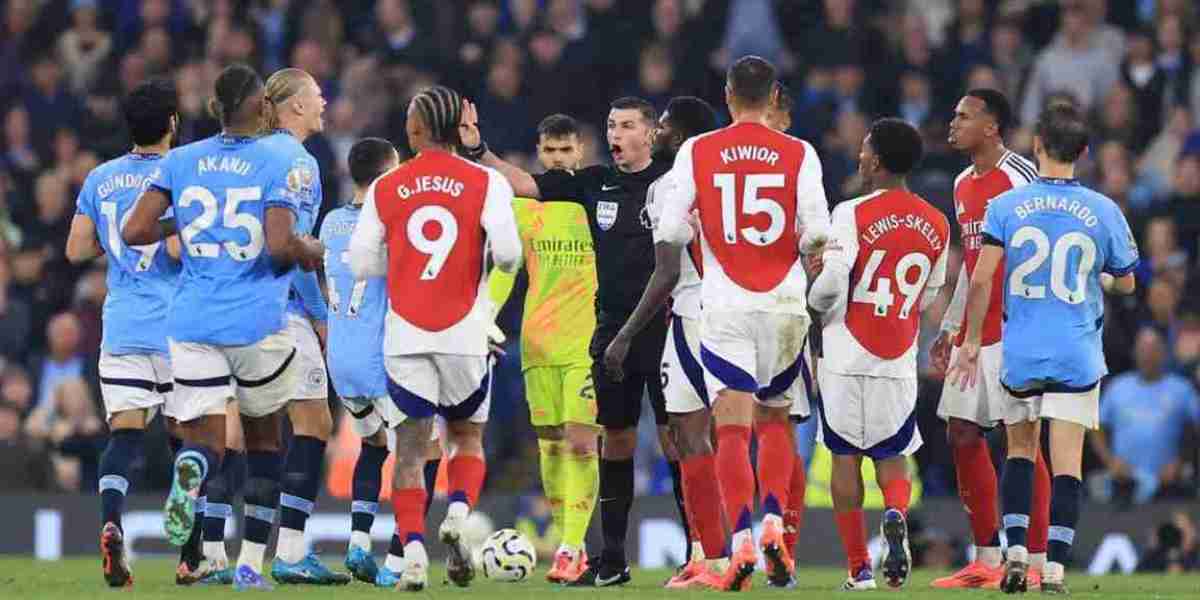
x=235, y=83
x=441, y=109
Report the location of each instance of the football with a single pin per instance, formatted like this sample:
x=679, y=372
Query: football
x=507, y=555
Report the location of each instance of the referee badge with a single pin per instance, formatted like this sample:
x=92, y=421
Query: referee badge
x=606, y=214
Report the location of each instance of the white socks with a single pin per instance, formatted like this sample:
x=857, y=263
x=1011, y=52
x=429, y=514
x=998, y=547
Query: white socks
x=457, y=510
x=394, y=563
x=215, y=553
x=740, y=538
x=252, y=555
x=360, y=539
x=697, y=551
x=1037, y=561
x=989, y=555
x=290, y=546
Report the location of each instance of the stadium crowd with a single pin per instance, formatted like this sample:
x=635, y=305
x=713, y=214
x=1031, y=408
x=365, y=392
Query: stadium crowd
x=1135, y=65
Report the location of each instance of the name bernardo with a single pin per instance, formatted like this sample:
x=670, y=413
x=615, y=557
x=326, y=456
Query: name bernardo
x=1075, y=208
x=892, y=222
x=431, y=183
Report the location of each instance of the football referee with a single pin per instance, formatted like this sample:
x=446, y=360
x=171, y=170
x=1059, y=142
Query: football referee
x=614, y=198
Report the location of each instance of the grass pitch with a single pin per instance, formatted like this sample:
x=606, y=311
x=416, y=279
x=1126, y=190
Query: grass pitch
x=80, y=579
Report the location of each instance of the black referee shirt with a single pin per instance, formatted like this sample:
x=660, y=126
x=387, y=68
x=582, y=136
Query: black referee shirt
x=615, y=202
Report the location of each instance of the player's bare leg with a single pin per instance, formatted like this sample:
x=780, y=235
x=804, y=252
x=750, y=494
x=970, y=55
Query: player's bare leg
x=465, y=473
x=846, y=487
x=895, y=481
x=264, y=467
x=1023, y=439
x=128, y=429
x=1066, y=453
x=776, y=457
x=733, y=412
x=580, y=487
x=692, y=433
x=410, y=560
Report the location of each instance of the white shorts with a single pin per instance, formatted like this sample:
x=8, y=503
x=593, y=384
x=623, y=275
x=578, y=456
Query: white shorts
x=260, y=376
x=455, y=387
x=1081, y=407
x=805, y=390
x=369, y=415
x=986, y=403
x=312, y=378
x=682, y=374
x=133, y=382
x=755, y=352
x=871, y=416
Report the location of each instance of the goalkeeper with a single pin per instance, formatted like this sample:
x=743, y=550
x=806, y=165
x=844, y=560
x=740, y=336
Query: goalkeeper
x=556, y=329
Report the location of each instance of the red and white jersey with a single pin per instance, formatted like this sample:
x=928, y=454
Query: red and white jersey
x=893, y=245
x=760, y=202
x=685, y=298
x=972, y=194
x=427, y=225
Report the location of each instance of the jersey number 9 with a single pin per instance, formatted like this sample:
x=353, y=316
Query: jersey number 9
x=438, y=248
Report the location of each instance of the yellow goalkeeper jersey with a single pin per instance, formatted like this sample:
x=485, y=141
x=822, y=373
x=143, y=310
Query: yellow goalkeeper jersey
x=560, y=312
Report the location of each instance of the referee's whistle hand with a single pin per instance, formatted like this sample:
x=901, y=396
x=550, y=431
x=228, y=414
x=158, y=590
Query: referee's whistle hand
x=614, y=357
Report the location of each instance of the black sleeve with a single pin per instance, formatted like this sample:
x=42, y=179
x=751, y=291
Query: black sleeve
x=990, y=240
x=561, y=185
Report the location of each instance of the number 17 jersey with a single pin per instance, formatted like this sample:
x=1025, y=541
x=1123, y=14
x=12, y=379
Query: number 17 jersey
x=1057, y=236
x=894, y=245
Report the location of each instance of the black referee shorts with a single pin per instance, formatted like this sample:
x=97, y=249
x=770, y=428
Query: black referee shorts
x=619, y=403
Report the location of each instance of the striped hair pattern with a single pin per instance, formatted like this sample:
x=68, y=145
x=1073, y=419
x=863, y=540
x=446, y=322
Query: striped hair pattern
x=441, y=109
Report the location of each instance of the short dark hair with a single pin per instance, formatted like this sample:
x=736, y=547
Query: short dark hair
x=996, y=104
x=897, y=143
x=1063, y=131
x=367, y=159
x=691, y=116
x=751, y=79
x=783, y=97
x=638, y=104
x=558, y=125
x=235, y=83
x=148, y=110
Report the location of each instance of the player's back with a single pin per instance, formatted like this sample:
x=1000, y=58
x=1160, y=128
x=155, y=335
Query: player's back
x=229, y=292
x=973, y=192
x=1058, y=236
x=431, y=208
x=754, y=189
x=304, y=178
x=560, y=310
x=895, y=243
x=356, y=314
x=141, y=279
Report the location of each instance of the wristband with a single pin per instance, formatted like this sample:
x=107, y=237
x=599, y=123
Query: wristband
x=477, y=152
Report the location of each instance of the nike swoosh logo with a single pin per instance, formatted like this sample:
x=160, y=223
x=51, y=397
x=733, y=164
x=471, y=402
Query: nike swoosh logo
x=601, y=581
x=609, y=188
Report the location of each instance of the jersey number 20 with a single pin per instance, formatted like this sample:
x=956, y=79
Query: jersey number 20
x=871, y=290
x=1058, y=264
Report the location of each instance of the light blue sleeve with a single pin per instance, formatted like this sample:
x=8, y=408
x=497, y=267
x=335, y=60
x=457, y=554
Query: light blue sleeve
x=164, y=176
x=85, y=203
x=284, y=188
x=308, y=288
x=1122, y=246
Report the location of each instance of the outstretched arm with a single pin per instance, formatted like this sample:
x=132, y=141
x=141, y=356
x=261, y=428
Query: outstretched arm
x=523, y=184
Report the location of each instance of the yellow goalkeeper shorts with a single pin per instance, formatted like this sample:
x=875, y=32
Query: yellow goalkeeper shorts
x=560, y=394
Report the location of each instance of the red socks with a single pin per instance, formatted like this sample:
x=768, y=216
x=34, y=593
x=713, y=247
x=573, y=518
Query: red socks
x=775, y=458
x=897, y=495
x=793, y=515
x=702, y=498
x=977, y=486
x=408, y=506
x=465, y=476
x=852, y=527
x=736, y=475
x=1039, y=513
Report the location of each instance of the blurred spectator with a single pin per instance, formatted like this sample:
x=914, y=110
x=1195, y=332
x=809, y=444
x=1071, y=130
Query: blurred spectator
x=20, y=157
x=46, y=98
x=533, y=520
x=1192, y=90
x=395, y=36
x=1144, y=416
x=63, y=359
x=15, y=388
x=18, y=20
x=1140, y=72
x=1183, y=204
x=1118, y=120
x=1073, y=62
x=84, y=47
x=1158, y=161
x=916, y=98
x=70, y=427
x=840, y=157
x=1161, y=255
x=1011, y=56
x=22, y=468
x=1174, y=548
x=509, y=126
x=655, y=76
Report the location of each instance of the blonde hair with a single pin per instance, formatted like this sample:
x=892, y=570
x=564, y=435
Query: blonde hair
x=281, y=86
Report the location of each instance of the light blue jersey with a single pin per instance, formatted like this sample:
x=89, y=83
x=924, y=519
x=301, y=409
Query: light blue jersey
x=141, y=279
x=304, y=297
x=356, y=314
x=229, y=293
x=1058, y=236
